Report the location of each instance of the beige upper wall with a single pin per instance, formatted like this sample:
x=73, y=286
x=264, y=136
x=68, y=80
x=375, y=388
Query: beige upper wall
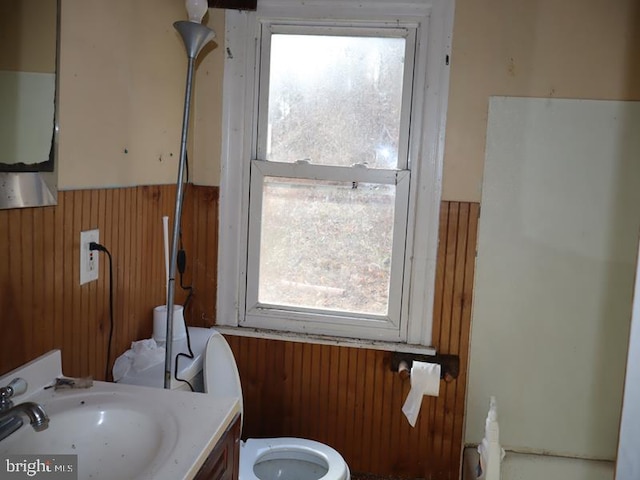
x=122, y=80
x=532, y=48
x=123, y=68
x=207, y=124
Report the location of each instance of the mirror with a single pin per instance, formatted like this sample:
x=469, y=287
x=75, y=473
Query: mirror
x=28, y=99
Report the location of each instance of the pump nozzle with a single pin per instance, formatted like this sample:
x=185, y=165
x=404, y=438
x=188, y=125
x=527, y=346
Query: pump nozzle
x=492, y=415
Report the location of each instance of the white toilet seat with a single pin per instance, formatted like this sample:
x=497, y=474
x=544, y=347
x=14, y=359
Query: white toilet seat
x=254, y=449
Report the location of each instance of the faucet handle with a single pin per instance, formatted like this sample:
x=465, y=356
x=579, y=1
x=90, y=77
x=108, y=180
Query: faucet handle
x=17, y=386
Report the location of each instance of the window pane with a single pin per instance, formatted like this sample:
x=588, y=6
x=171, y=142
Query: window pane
x=335, y=100
x=326, y=245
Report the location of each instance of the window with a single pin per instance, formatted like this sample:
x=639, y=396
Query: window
x=331, y=167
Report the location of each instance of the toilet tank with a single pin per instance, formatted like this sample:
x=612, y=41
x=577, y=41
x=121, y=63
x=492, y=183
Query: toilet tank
x=188, y=369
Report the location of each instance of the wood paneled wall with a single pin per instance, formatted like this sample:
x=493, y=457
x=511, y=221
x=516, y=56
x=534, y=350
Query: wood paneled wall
x=42, y=304
x=345, y=397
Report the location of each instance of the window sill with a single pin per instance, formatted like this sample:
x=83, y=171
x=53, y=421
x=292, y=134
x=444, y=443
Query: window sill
x=325, y=340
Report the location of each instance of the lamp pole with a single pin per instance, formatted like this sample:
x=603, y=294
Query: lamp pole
x=195, y=36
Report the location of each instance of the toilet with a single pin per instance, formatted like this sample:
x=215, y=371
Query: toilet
x=268, y=458
x=214, y=371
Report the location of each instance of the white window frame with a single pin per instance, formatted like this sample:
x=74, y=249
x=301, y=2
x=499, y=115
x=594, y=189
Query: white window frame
x=434, y=21
x=373, y=327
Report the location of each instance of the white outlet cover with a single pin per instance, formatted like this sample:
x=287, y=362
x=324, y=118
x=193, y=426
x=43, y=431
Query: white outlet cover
x=89, y=260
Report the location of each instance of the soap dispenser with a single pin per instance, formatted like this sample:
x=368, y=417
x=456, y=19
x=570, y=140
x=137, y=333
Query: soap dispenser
x=491, y=453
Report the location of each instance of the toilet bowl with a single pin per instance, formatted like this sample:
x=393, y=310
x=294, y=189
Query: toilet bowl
x=268, y=458
x=290, y=459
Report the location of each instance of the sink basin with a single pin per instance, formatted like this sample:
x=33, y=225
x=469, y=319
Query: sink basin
x=113, y=434
x=119, y=431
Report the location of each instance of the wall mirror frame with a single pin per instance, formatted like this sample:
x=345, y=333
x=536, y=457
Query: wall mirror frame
x=34, y=184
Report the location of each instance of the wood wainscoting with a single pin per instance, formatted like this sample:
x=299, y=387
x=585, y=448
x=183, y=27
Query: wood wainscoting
x=345, y=397
x=42, y=304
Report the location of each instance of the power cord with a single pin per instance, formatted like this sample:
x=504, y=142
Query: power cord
x=181, y=264
x=190, y=356
x=101, y=248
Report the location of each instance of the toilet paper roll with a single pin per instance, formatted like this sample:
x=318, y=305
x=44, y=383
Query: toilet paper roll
x=425, y=380
x=160, y=323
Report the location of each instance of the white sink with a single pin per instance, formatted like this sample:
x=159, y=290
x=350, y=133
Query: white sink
x=110, y=432
x=119, y=431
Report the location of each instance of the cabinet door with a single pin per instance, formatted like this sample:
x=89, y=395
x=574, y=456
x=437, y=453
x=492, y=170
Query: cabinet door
x=223, y=461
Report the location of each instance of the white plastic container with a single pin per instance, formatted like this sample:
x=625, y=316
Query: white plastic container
x=491, y=453
x=160, y=323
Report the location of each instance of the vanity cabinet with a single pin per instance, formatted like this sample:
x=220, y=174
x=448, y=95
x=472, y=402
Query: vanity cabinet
x=223, y=461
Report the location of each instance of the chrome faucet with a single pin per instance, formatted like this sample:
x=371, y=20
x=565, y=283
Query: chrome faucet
x=35, y=412
x=10, y=419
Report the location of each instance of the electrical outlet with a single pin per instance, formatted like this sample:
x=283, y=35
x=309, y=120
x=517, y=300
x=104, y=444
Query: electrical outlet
x=89, y=258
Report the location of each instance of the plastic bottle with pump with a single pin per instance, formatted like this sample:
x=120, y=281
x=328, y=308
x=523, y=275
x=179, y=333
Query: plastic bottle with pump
x=491, y=453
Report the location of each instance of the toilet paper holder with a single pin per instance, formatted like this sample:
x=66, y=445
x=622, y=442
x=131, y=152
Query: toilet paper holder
x=449, y=364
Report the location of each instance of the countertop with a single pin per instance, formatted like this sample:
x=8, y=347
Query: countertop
x=183, y=427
